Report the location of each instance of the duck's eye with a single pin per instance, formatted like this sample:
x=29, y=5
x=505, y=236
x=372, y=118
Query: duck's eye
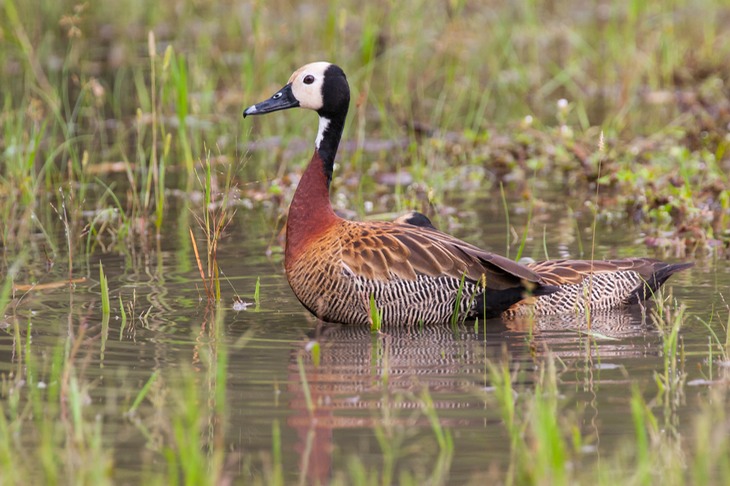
x=277, y=96
x=308, y=79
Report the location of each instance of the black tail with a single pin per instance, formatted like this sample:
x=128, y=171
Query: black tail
x=498, y=301
x=661, y=272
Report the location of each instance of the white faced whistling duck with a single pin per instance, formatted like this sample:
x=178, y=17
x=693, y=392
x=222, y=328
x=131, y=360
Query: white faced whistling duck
x=414, y=273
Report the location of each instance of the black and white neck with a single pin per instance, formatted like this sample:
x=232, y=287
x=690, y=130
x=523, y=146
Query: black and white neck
x=328, y=140
x=332, y=107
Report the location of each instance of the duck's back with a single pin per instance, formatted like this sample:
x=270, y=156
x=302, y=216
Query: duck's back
x=584, y=285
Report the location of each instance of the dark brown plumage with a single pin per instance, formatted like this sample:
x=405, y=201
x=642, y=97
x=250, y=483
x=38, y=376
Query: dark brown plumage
x=414, y=273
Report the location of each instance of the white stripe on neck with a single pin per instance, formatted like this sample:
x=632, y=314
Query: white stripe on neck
x=323, y=124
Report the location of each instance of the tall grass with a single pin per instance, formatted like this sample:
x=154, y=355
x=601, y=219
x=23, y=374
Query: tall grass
x=78, y=97
x=546, y=443
x=45, y=415
x=216, y=216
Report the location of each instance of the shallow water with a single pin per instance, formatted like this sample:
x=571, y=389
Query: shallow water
x=365, y=386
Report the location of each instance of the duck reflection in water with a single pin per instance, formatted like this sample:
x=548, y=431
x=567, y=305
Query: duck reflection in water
x=367, y=380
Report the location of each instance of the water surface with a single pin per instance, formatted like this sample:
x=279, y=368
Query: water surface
x=364, y=392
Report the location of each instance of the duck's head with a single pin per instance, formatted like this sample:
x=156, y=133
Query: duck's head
x=318, y=86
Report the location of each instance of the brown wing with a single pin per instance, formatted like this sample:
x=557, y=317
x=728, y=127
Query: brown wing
x=562, y=272
x=378, y=249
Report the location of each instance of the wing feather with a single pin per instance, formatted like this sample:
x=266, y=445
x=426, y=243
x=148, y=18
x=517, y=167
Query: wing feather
x=562, y=272
x=380, y=250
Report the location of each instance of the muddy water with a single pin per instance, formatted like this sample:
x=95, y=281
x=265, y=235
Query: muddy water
x=364, y=386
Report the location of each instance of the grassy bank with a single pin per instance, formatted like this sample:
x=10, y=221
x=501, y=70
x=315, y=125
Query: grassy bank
x=105, y=107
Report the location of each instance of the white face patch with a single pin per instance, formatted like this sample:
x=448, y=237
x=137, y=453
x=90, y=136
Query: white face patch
x=306, y=85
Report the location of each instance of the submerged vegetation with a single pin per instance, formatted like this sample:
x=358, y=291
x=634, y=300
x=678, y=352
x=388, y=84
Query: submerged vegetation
x=122, y=147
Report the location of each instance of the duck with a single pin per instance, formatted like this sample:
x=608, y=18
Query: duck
x=406, y=272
